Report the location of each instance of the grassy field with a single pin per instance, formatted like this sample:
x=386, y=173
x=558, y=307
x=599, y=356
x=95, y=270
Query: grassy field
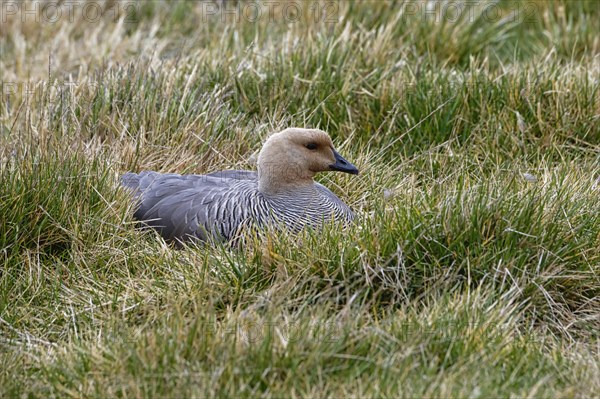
x=473, y=269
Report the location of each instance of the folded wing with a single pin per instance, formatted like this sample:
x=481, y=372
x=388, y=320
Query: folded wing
x=184, y=207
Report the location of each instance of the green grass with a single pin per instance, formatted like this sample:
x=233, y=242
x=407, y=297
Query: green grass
x=472, y=270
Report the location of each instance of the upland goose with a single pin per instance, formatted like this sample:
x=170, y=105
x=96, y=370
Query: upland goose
x=220, y=205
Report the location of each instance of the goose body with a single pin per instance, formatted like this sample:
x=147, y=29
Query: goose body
x=219, y=205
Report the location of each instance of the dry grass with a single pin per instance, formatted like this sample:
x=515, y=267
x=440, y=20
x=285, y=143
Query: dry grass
x=473, y=267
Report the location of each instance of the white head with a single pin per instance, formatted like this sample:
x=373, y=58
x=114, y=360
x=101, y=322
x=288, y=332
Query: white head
x=291, y=158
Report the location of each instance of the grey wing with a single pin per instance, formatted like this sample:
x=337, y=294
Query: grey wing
x=235, y=174
x=140, y=182
x=183, y=207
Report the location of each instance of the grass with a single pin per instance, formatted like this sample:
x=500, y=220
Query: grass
x=473, y=267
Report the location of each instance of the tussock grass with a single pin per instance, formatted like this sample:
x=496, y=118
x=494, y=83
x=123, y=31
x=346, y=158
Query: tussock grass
x=472, y=269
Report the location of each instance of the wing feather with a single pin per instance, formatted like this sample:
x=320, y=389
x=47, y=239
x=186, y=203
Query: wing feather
x=188, y=206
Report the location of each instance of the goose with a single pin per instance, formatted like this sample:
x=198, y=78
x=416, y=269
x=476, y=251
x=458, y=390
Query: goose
x=220, y=205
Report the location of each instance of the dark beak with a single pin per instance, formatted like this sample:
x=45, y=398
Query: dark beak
x=341, y=165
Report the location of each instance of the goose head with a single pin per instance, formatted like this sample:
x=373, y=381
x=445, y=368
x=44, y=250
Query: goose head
x=291, y=158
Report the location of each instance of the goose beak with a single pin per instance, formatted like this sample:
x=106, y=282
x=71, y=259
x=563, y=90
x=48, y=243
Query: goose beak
x=341, y=165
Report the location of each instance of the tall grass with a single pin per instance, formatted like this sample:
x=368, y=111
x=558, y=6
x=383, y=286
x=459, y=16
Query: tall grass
x=473, y=267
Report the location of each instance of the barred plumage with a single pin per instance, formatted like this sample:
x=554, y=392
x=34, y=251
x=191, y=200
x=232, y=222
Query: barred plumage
x=219, y=205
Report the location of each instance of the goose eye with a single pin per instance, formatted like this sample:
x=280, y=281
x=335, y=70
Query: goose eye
x=311, y=146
